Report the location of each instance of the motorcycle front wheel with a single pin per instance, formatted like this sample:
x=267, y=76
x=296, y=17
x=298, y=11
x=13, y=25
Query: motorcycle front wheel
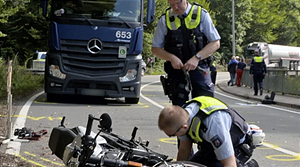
x=181, y=164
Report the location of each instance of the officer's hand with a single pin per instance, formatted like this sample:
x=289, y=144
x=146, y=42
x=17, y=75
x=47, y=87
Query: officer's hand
x=266, y=74
x=176, y=63
x=250, y=75
x=191, y=64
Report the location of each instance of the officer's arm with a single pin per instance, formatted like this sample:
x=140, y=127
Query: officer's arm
x=161, y=53
x=184, y=150
x=229, y=162
x=205, y=52
x=209, y=49
x=265, y=67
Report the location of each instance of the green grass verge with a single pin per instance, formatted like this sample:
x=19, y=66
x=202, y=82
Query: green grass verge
x=22, y=83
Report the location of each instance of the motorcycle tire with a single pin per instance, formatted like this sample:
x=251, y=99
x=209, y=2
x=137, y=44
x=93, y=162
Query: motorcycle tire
x=181, y=164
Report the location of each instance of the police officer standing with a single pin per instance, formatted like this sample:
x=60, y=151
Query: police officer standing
x=259, y=70
x=222, y=134
x=185, y=37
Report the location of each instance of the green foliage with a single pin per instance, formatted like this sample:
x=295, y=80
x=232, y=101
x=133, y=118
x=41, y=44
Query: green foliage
x=22, y=83
x=23, y=30
x=27, y=32
x=9, y=8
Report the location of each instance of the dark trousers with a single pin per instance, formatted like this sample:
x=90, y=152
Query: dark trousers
x=258, y=81
x=206, y=158
x=201, y=86
x=232, y=77
x=213, y=75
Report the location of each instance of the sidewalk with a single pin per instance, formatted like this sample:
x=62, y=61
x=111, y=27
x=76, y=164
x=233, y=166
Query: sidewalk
x=247, y=92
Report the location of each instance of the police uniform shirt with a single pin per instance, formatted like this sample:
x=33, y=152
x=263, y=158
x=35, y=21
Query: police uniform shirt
x=218, y=126
x=206, y=26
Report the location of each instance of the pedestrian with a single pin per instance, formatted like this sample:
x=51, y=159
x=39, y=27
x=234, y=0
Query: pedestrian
x=213, y=73
x=258, y=70
x=239, y=71
x=220, y=132
x=185, y=37
x=232, y=69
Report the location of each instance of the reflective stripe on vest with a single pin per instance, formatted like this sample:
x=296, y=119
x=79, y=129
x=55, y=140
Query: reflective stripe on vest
x=258, y=59
x=208, y=106
x=173, y=22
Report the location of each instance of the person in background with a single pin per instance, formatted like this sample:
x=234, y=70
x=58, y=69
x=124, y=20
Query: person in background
x=239, y=71
x=232, y=69
x=221, y=133
x=213, y=73
x=258, y=70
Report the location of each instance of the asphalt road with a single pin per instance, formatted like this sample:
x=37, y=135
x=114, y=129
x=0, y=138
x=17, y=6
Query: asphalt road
x=280, y=124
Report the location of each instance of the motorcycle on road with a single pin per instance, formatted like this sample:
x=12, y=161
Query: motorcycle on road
x=80, y=147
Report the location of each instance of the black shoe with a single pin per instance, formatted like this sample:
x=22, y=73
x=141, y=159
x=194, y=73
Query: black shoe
x=228, y=83
x=252, y=163
x=261, y=92
x=255, y=94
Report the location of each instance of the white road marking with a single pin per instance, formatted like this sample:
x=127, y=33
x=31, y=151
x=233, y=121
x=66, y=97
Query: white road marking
x=13, y=147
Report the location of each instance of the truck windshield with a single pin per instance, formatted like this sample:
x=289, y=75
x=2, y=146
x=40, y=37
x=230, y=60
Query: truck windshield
x=250, y=53
x=126, y=10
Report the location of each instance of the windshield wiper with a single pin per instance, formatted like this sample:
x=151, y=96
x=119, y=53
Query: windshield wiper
x=86, y=19
x=117, y=17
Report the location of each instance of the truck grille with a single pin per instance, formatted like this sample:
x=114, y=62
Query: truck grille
x=77, y=59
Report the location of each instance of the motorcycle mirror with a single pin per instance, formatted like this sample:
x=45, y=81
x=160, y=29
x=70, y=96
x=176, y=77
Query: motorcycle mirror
x=105, y=122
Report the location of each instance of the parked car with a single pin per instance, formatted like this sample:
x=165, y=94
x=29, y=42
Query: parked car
x=39, y=61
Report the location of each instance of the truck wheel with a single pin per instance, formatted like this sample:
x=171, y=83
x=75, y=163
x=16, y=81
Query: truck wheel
x=131, y=100
x=52, y=97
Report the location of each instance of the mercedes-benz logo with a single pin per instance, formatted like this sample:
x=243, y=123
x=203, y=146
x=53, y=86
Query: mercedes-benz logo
x=94, y=46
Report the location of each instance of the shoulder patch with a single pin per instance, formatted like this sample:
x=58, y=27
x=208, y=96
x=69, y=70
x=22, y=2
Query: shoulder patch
x=217, y=142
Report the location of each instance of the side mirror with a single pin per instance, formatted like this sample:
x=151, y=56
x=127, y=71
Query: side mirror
x=44, y=4
x=150, y=11
x=105, y=122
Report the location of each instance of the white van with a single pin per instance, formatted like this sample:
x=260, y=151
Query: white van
x=39, y=59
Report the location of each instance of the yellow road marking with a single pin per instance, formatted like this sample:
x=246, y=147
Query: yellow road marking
x=30, y=161
x=29, y=153
x=284, y=157
x=38, y=164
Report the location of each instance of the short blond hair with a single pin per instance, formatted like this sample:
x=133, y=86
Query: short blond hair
x=171, y=116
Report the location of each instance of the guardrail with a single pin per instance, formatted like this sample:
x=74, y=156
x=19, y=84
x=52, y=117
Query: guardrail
x=278, y=80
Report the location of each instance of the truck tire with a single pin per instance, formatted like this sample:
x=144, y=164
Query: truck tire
x=52, y=97
x=130, y=100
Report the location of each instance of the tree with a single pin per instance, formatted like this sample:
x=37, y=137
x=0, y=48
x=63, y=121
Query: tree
x=9, y=8
x=223, y=16
x=27, y=31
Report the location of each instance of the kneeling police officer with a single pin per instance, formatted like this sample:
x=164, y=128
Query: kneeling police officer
x=222, y=135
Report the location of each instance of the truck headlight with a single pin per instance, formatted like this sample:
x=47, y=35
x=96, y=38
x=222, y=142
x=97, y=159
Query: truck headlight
x=55, y=71
x=130, y=76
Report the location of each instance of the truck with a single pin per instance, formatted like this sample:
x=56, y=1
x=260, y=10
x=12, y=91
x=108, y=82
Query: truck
x=94, y=47
x=275, y=55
